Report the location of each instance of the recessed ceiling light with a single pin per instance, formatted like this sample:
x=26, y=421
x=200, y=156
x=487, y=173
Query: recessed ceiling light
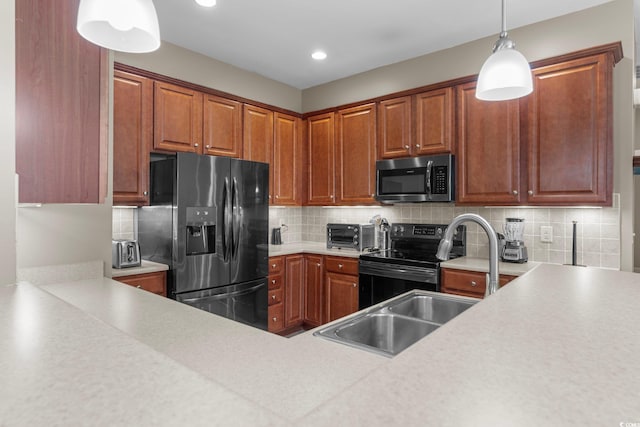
x=318, y=55
x=206, y=3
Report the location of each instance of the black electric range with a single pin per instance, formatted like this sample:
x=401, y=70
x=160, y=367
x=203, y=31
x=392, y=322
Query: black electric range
x=410, y=263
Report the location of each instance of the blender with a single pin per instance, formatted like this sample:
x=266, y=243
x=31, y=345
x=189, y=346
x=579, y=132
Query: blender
x=514, y=249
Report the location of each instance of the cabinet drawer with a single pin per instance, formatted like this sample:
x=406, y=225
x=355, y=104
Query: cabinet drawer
x=152, y=282
x=342, y=265
x=276, y=264
x=275, y=296
x=276, y=281
x=468, y=283
x=276, y=317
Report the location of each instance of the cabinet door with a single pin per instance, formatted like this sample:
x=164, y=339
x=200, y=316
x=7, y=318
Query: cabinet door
x=313, y=295
x=488, y=155
x=434, y=122
x=356, y=155
x=222, y=127
x=394, y=128
x=342, y=295
x=132, y=137
x=294, y=290
x=468, y=283
x=570, y=150
x=177, y=121
x=61, y=106
x=321, y=160
x=258, y=134
x=151, y=282
x=286, y=161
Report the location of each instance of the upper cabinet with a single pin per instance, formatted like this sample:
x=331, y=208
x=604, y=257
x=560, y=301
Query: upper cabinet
x=321, y=163
x=416, y=125
x=356, y=154
x=61, y=107
x=287, y=158
x=177, y=118
x=257, y=139
x=222, y=126
x=553, y=147
x=569, y=133
x=488, y=155
x=132, y=137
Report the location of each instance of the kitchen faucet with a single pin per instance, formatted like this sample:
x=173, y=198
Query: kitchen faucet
x=445, y=246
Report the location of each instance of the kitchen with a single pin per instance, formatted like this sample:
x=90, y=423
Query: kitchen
x=40, y=230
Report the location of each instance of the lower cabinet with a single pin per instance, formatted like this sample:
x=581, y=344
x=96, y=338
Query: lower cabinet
x=152, y=282
x=341, y=287
x=276, y=294
x=314, y=290
x=294, y=291
x=467, y=283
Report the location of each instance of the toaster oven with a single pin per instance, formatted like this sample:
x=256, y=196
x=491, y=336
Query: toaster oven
x=351, y=236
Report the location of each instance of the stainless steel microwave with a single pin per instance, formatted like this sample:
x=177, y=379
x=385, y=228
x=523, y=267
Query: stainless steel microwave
x=350, y=236
x=416, y=179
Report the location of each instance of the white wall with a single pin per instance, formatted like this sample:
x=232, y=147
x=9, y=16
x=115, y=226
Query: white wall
x=173, y=61
x=7, y=144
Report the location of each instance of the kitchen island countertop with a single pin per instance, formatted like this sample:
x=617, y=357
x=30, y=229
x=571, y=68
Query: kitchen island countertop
x=559, y=346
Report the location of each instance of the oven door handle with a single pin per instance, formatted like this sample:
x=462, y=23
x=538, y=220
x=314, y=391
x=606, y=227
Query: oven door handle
x=402, y=272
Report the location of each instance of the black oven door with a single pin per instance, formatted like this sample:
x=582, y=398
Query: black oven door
x=380, y=281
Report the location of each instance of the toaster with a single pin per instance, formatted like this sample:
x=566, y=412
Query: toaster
x=125, y=253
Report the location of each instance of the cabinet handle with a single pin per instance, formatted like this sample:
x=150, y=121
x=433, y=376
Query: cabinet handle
x=273, y=297
x=275, y=319
x=318, y=264
x=273, y=266
x=277, y=197
x=273, y=282
x=515, y=192
x=139, y=286
x=417, y=145
x=530, y=192
x=207, y=146
x=355, y=285
x=406, y=147
x=145, y=193
x=473, y=283
x=340, y=265
x=196, y=145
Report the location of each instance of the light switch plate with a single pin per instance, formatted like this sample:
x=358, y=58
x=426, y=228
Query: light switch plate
x=546, y=234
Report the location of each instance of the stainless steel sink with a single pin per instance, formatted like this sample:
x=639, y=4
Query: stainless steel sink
x=392, y=326
x=439, y=309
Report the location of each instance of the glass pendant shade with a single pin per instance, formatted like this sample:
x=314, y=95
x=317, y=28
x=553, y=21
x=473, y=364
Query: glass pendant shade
x=122, y=25
x=506, y=74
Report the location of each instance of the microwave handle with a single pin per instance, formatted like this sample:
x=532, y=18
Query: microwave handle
x=429, y=166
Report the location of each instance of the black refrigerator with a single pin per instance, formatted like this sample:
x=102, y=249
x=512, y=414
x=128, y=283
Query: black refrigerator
x=208, y=220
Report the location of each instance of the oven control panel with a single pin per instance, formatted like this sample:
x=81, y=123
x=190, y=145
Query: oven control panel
x=422, y=231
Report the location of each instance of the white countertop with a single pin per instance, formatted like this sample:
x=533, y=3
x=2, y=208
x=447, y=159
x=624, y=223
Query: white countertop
x=310, y=247
x=482, y=265
x=558, y=346
x=145, y=267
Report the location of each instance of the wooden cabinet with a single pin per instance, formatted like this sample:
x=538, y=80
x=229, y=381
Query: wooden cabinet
x=275, y=283
x=287, y=158
x=434, y=114
x=416, y=125
x=61, y=107
x=132, y=138
x=222, y=126
x=488, y=154
x=341, y=287
x=177, y=124
x=294, y=290
x=569, y=133
x=395, y=134
x=468, y=283
x=257, y=138
x=153, y=282
x=314, y=289
x=321, y=160
x=356, y=155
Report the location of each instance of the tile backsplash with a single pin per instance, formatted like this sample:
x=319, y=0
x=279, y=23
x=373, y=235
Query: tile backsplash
x=598, y=229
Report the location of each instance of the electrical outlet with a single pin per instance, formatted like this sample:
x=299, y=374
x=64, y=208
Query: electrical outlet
x=546, y=234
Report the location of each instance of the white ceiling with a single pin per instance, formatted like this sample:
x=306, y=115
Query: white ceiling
x=275, y=38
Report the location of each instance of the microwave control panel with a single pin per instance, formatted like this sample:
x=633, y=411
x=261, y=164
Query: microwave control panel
x=440, y=178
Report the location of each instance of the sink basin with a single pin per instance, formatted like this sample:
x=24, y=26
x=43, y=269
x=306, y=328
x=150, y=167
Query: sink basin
x=392, y=326
x=388, y=333
x=437, y=309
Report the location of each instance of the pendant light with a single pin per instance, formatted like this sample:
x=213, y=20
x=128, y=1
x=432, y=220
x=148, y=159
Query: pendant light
x=506, y=74
x=123, y=25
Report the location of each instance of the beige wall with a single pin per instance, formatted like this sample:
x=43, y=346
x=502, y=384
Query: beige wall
x=7, y=145
x=183, y=64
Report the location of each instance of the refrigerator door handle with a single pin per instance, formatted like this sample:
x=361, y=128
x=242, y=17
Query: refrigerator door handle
x=236, y=219
x=226, y=226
